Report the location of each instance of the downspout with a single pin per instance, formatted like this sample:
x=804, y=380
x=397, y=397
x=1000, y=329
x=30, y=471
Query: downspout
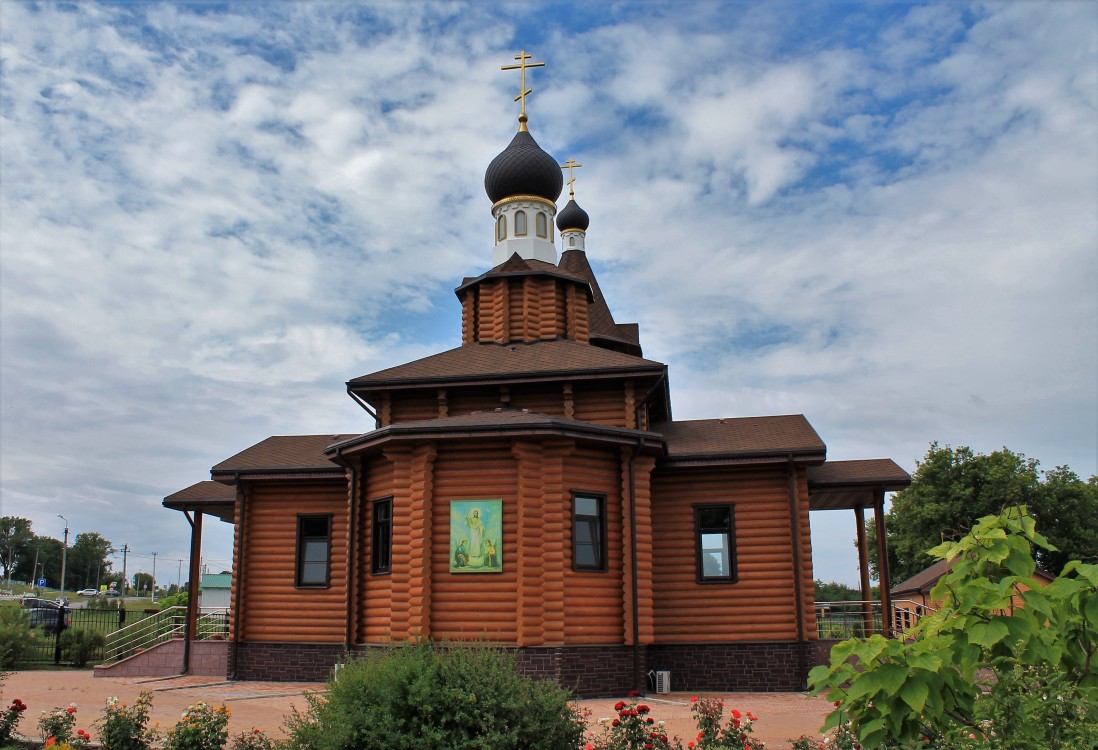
x=633, y=554
x=352, y=549
x=239, y=573
x=795, y=537
x=638, y=683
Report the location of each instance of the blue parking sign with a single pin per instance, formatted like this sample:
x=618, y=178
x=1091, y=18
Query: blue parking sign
x=42, y=582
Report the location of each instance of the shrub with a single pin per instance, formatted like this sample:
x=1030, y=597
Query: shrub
x=127, y=727
x=436, y=698
x=203, y=727
x=253, y=740
x=16, y=637
x=9, y=719
x=79, y=646
x=58, y=728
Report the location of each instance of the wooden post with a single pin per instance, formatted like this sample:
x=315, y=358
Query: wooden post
x=194, y=574
x=863, y=570
x=882, y=561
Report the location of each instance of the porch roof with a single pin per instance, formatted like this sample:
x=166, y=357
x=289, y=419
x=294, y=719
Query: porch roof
x=844, y=485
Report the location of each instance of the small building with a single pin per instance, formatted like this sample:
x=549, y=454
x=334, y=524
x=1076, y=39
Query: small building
x=531, y=488
x=213, y=592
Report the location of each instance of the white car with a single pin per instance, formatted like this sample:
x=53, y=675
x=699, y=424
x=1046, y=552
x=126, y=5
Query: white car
x=87, y=592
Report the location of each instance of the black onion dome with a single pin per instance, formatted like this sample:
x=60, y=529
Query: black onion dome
x=523, y=169
x=573, y=217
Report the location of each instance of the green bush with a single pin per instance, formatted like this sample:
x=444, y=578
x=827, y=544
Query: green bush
x=16, y=637
x=79, y=646
x=436, y=698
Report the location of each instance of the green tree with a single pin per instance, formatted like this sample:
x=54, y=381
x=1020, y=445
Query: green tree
x=981, y=672
x=142, y=583
x=952, y=487
x=15, y=538
x=87, y=561
x=833, y=591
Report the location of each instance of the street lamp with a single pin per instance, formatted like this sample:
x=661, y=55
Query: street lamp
x=64, y=555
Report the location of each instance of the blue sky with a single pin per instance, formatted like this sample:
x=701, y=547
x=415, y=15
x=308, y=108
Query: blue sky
x=882, y=216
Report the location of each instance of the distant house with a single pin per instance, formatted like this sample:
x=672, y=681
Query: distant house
x=214, y=590
x=912, y=599
x=531, y=488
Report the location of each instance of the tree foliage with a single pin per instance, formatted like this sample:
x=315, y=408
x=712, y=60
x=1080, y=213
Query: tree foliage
x=15, y=538
x=87, y=561
x=981, y=672
x=833, y=591
x=952, y=487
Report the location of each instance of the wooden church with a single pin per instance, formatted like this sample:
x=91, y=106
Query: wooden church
x=530, y=489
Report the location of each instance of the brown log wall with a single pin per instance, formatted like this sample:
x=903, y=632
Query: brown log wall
x=594, y=611
x=761, y=604
x=273, y=606
x=375, y=598
x=603, y=404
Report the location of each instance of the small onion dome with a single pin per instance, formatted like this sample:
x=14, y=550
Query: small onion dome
x=573, y=217
x=523, y=169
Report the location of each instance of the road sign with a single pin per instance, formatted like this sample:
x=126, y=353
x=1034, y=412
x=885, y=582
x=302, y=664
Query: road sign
x=42, y=582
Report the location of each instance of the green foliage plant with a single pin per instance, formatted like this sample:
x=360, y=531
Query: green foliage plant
x=202, y=727
x=9, y=719
x=436, y=697
x=980, y=672
x=80, y=645
x=631, y=728
x=126, y=727
x=16, y=637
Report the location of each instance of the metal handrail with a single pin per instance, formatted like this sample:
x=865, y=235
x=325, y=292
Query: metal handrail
x=857, y=619
x=163, y=626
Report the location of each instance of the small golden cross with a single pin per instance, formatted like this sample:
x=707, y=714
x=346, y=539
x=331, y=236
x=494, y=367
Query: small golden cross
x=522, y=57
x=570, y=164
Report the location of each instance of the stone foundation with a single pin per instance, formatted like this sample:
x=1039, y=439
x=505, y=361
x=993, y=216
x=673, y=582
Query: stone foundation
x=588, y=671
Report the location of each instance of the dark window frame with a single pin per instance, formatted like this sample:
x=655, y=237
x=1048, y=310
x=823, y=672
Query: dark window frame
x=730, y=528
x=299, y=563
x=602, y=564
x=379, y=566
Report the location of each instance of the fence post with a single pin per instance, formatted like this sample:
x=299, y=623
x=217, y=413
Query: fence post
x=61, y=612
x=121, y=614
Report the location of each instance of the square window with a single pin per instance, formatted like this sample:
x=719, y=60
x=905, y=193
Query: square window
x=314, y=544
x=381, y=549
x=715, y=541
x=588, y=532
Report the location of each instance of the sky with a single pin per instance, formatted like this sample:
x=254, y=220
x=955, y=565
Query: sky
x=882, y=216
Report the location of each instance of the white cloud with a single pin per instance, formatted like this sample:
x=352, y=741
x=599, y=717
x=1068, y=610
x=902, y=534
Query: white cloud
x=210, y=220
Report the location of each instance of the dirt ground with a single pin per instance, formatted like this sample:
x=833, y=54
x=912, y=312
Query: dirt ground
x=263, y=705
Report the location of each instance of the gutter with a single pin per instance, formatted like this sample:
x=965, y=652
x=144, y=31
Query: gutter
x=794, y=533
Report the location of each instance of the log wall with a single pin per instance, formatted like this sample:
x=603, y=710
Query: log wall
x=273, y=606
x=761, y=604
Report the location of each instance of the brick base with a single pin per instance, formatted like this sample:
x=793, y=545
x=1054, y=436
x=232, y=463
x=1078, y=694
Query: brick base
x=283, y=662
x=756, y=667
x=588, y=671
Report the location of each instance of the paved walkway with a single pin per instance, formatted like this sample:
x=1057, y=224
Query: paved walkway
x=264, y=705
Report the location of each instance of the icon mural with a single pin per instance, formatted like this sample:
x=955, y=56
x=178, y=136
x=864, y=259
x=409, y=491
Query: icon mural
x=476, y=536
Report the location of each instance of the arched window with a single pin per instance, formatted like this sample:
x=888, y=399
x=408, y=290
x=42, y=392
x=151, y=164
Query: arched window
x=571, y=241
x=520, y=223
x=542, y=225
x=501, y=228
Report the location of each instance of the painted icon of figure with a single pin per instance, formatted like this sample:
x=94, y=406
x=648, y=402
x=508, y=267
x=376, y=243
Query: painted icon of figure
x=461, y=555
x=476, y=536
x=491, y=557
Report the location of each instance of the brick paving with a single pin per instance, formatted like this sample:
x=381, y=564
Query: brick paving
x=264, y=705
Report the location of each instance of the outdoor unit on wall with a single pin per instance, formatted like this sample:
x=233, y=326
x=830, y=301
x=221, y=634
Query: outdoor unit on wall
x=663, y=681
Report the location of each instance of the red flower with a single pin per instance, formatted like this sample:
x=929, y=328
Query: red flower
x=619, y=705
x=51, y=742
x=649, y=720
x=694, y=699
x=633, y=694
x=736, y=714
x=690, y=744
x=70, y=710
x=615, y=723
x=643, y=709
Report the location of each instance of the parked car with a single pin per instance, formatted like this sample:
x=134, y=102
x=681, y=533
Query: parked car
x=34, y=602
x=112, y=592
x=48, y=618
x=88, y=592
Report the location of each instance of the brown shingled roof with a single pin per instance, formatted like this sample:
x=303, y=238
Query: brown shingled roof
x=489, y=361
x=862, y=471
x=209, y=497
x=741, y=437
x=282, y=453
x=205, y=490
x=599, y=318
x=499, y=422
x=517, y=266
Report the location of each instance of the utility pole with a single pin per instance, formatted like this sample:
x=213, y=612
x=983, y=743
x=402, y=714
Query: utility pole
x=34, y=571
x=153, y=584
x=125, y=583
x=179, y=575
x=64, y=555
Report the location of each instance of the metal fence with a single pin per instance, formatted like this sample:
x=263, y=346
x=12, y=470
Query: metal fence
x=124, y=633
x=840, y=620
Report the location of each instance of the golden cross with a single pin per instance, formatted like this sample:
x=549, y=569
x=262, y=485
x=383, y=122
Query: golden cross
x=522, y=57
x=570, y=164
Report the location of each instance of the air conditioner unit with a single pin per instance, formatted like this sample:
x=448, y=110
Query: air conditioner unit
x=663, y=681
